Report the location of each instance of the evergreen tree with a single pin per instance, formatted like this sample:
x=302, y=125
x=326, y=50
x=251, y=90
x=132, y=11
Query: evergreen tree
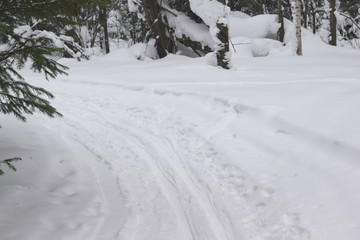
x=21, y=41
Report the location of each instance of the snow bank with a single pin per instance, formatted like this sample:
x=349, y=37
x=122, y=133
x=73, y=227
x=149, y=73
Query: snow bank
x=257, y=47
x=53, y=194
x=258, y=35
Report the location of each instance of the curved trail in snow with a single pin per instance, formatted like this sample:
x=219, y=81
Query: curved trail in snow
x=193, y=206
x=174, y=180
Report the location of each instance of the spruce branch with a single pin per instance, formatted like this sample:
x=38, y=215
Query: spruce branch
x=9, y=163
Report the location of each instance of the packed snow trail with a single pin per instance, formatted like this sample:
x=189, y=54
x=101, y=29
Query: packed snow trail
x=181, y=150
x=175, y=180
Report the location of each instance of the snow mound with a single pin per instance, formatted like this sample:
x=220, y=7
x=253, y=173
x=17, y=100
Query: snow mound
x=238, y=14
x=260, y=26
x=143, y=51
x=257, y=37
x=258, y=47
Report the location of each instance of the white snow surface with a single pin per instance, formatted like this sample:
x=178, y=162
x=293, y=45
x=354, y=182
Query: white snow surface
x=210, y=11
x=260, y=26
x=177, y=149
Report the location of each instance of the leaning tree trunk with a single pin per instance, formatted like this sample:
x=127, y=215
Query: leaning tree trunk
x=222, y=47
x=281, y=32
x=332, y=23
x=164, y=43
x=298, y=27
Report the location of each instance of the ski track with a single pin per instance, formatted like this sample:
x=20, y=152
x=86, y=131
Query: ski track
x=168, y=172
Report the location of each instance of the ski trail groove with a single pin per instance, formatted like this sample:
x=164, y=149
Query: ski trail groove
x=157, y=157
x=186, y=177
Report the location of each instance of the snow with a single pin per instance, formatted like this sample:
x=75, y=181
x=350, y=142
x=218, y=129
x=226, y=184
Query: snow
x=143, y=51
x=133, y=5
x=257, y=37
x=184, y=25
x=260, y=26
x=210, y=11
x=177, y=149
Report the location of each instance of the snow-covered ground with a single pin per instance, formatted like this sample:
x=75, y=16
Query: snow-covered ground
x=177, y=149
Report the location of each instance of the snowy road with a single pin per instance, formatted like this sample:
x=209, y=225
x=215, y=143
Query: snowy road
x=218, y=160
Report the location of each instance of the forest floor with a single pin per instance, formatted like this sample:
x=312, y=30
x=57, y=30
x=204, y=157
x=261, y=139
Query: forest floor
x=177, y=149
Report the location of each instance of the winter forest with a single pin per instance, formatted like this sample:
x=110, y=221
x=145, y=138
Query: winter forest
x=179, y=119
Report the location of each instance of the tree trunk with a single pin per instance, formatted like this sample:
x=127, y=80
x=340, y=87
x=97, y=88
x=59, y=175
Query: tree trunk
x=164, y=43
x=313, y=9
x=223, y=49
x=332, y=22
x=281, y=32
x=290, y=10
x=94, y=35
x=298, y=27
x=305, y=14
x=103, y=23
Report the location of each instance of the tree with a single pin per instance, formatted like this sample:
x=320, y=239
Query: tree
x=333, y=34
x=281, y=32
x=157, y=21
x=298, y=27
x=222, y=38
x=210, y=17
x=23, y=40
x=316, y=7
x=349, y=24
x=103, y=17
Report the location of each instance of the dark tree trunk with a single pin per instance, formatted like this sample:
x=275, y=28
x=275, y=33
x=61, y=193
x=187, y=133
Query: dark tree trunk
x=223, y=49
x=133, y=32
x=221, y=54
x=332, y=22
x=281, y=32
x=290, y=10
x=306, y=12
x=314, y=21
x=164, y=43
x=103, y=23
x=298, y=27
